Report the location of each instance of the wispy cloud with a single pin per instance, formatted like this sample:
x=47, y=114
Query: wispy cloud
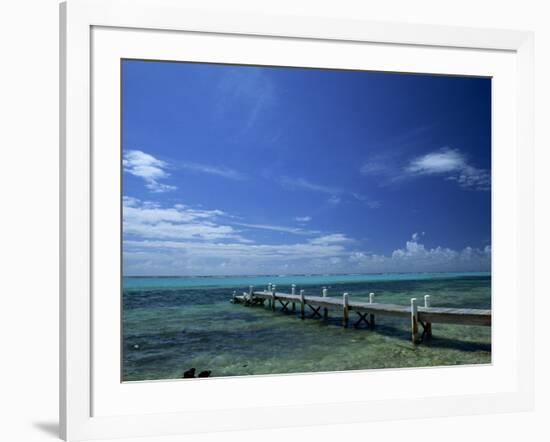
x=152, y=170
x=448, y=163
x=302, y=183
x=372, y=204
x=150, y=220
x=184, y=240
x=283, y=229
x=333, y=238
x=147, y=167
x=303, y=219
x=335, y=194
x=209, y=169
x=388, y=161
x=251, y=88
x=453, y=165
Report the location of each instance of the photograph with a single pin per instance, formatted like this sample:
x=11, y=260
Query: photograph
x=296, y=220
x=275, y=221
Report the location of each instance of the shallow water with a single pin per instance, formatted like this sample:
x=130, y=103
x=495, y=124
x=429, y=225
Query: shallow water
x=173, y=324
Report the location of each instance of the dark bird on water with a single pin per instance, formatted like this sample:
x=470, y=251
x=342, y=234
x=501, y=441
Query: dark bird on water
x=205, y=374
x=189, y=373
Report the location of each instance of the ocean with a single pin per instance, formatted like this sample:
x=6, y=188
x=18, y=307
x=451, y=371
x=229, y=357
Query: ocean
x=172, y=324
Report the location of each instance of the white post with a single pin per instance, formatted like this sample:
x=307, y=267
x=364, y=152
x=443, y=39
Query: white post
x=325, y=310
x=428, y=326
x=345, y=305
x=273, y=291
x=293, y=291
x=234, y=297
x=250, y=292
x=302, y=304
x=269, y=287
x=371, y=315
x=414, y=321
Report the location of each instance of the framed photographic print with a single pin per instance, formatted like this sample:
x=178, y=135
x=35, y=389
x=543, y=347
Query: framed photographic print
x=290, y=220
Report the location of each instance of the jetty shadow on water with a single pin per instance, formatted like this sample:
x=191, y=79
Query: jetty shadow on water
x=397, y=329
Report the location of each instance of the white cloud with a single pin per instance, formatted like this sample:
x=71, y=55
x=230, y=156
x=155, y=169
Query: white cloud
x=452, y=164
x=416, y=236
x=449, y=163
x=283, y=229
x=333, y=238
x=152, y=170
x=150, y=213
x=417, y=257
x=443, y=161
x=147, y=167
x=221, y=171
x=303, y=219
x=193, y=257
x=149, y=220
x=146, y=219
x=249, y=252
x=326, y=254
x=203, y=231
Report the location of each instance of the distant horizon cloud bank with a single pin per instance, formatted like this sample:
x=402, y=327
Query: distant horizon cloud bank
x=188, y=241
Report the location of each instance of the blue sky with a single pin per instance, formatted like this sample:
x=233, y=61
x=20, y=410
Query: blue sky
x=263, y=170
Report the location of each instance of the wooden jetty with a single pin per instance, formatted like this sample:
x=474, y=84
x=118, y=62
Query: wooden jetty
x=424, y=315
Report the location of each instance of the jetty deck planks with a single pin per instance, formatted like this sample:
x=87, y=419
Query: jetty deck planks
x=424, y=316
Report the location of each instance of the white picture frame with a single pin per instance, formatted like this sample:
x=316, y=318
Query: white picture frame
x=81, y=379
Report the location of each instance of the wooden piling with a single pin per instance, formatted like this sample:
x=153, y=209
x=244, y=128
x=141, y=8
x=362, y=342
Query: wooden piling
x=371, y=315
x=414, y=321
x=302, y=304
x=325, y=310
x=234, y=297
x=250, y=292
x=345, y=305
x=273, y=291
x=293, y=293
x=428, y=325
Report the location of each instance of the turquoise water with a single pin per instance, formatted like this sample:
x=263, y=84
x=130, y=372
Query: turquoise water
x=173, y=324
x=244, y=281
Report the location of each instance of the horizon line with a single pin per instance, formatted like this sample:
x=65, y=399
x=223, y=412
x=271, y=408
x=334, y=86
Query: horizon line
x=303, y=274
